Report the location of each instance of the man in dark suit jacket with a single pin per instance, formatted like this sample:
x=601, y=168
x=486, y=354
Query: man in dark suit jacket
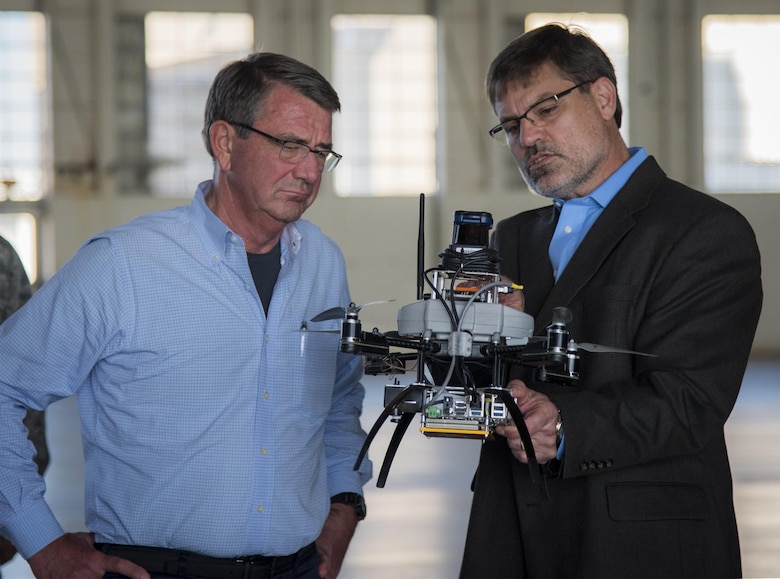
x=637, y=473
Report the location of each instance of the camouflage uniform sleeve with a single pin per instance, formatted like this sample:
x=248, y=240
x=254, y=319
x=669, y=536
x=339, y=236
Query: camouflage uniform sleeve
x=15, y=290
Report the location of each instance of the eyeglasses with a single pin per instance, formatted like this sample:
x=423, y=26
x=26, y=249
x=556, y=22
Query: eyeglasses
x=296, y=152
x=539, y=114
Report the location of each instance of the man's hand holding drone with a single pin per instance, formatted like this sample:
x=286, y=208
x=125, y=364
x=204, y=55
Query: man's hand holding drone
x=514, y=299
x=541, y=417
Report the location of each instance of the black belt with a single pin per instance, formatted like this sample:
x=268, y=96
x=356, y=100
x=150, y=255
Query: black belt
x=188, y=565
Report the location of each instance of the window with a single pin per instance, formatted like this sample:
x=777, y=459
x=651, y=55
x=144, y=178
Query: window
x=163, y=96
x=25, y=158
x=24, y=120
x=385, y=74
x=741, y=124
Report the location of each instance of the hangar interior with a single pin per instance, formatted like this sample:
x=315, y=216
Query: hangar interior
x=100, y=118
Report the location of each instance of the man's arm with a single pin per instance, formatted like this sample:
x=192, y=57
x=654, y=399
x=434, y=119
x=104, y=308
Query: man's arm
x=44, y=362
x=334, y=539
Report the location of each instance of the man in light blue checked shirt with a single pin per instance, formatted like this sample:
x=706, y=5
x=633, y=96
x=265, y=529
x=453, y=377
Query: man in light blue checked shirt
x=219, y=438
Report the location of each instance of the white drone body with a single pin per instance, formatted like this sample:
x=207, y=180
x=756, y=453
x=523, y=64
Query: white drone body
x=484, y=322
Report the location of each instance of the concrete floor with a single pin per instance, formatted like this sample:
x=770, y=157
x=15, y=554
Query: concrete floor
x=416, y=524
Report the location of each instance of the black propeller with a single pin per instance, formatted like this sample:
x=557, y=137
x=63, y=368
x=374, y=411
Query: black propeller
x=338, y=312
x=562, y=316
x=598, y=348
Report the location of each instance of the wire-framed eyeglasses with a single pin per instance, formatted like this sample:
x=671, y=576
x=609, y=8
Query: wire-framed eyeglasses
x=538, y=114
x=296, y=152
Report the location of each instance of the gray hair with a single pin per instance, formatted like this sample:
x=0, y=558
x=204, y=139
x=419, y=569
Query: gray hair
x=241, y=87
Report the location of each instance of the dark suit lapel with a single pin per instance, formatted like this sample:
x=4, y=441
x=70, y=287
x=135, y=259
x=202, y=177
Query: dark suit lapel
x=613, y=224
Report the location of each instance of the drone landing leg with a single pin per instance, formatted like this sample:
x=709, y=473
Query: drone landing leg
x=388, y=410
x=395, y=441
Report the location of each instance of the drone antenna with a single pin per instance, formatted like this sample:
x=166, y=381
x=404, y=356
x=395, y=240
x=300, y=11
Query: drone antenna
x=421, y=250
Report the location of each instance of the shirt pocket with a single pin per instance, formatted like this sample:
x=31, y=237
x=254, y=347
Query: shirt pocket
x=312, y=371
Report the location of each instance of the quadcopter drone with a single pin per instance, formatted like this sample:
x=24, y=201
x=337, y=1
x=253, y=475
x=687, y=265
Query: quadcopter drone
x=460, y=340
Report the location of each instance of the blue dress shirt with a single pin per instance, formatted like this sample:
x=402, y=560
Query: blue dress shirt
x=579, y=214
x=206, y=425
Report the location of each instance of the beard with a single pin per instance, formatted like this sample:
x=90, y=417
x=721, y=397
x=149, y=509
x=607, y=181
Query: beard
x=540, y=179
x=557, y=178
x=534, y=180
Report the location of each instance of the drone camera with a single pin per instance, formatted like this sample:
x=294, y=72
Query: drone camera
x=468, y=264
x=471, y=229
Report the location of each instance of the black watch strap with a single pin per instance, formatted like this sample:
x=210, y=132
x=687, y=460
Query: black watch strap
x=355, y=500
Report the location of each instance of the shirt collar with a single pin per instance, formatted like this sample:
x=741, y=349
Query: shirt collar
x=218, y=235
x=291, y=238
x=605, y=192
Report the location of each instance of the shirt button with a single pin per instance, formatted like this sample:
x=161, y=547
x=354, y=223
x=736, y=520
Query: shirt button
x=567, y=229
x=264, y=452
x=267, y=338
x=259, y=508
x=266, y=395
x=216, y=257
x=234, y=239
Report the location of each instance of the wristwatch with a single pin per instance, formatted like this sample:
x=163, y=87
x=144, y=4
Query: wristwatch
x=558, y=430
x=354, y=500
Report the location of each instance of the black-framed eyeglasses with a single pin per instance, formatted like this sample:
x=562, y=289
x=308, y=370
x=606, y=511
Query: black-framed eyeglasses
x=296, y=152
x=538, y=114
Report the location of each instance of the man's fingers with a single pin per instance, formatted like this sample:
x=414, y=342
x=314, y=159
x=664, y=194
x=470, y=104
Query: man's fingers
x=124, y=567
